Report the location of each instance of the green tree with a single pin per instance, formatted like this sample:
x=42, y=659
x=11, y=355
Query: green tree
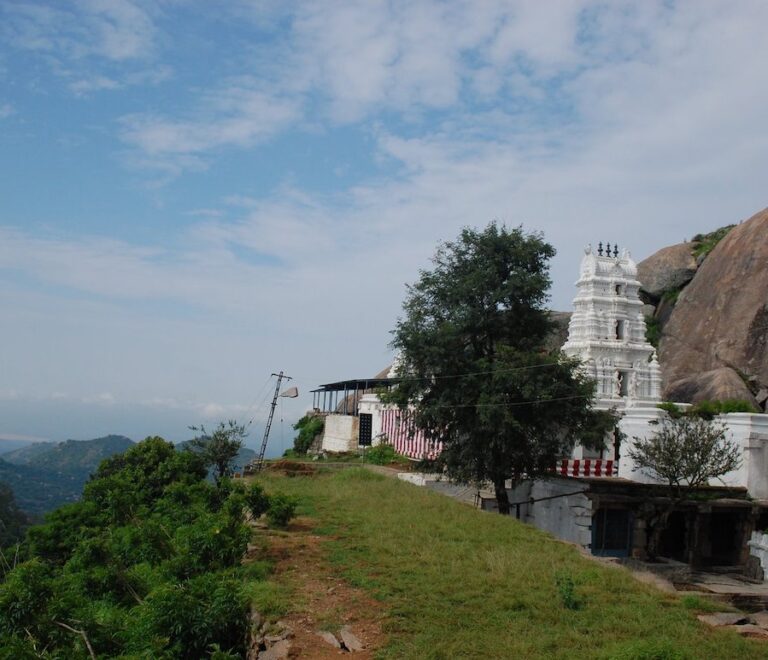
x=686, y=452
x=308, y=427
x=220, y=448
x=13, y=521
x=474, y=366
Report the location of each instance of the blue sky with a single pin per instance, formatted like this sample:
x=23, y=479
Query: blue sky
x=194, y=196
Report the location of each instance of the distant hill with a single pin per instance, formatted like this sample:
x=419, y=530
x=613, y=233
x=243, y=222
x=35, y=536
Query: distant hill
x=22, y=455
x=11, y=444
x=76, y=456
x=45, y=477
x=37, y=491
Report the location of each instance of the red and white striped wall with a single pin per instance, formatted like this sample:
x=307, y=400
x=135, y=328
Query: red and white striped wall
x=398, y=427
x=405, y=437
x=587, y=467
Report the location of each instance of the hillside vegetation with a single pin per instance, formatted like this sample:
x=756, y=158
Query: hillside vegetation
x=149, y=564
x=458, y=583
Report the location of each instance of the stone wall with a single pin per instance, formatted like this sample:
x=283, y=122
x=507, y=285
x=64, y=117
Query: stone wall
x=568, y=516
x=341, y=433
x=758, y=548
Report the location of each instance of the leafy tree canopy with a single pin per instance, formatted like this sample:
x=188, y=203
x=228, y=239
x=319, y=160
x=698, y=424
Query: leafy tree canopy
x=308, y=427
x=474, y=365
x=686, y=452
x=220, y=447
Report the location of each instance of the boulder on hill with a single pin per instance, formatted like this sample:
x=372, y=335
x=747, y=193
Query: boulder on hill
x=716, y=385
x=721, y=318
x=669, y=269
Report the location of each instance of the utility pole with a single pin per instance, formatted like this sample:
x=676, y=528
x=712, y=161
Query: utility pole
x=258, y=464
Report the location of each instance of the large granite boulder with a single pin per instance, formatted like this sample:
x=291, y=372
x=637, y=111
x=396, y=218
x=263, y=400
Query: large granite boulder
x=721, y=317
x=669, y=269
x=716, y=385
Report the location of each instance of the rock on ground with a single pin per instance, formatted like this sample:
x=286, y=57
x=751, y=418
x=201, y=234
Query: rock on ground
x=276, y=652
x=330, y=638
x=350, y=639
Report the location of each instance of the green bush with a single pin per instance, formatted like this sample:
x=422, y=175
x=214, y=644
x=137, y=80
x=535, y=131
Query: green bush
x=383, y=454
x=708, y=409
x=281, y=509
x=256, y=500
x=652, y=330
x=703, y=244
x=566, y=588
x=308, y=427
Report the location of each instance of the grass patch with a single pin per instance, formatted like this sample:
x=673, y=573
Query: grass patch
x=457, y=583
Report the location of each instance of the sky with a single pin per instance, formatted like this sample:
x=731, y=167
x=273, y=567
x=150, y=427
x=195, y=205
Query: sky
x=195, y=195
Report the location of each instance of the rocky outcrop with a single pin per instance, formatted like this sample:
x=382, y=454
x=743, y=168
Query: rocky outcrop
x=718, y=328
x=668, y=270
x=716, y=385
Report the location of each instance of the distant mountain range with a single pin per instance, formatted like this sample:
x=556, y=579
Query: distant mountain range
x=45, y=475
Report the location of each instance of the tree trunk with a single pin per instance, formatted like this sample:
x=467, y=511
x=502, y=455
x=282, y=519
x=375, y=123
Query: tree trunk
x=659, y=523
x=502, y=496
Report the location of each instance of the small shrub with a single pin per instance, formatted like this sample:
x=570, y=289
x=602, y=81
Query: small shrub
x=256, y=500
x=710, y=409
x=671, y=295
x=736, y=405
x=699, y=604
x=673, y=410
x=705, y=243
x=652, y=331
x=281, y=509
x=383, y=454
x=567, y=590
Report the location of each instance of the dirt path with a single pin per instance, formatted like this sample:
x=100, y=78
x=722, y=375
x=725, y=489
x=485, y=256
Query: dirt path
x=322, y=601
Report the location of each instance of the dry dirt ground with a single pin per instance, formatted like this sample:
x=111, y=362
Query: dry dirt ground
x=321, y=599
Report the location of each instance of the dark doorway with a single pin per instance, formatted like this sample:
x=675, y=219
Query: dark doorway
x=612, y=533
x=724, y=538
x=673, y=542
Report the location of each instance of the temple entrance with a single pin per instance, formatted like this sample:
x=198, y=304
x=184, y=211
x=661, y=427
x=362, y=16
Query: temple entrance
x=612, y=533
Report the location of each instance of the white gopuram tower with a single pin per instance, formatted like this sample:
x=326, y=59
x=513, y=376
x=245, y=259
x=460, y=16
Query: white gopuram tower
x=607, y=332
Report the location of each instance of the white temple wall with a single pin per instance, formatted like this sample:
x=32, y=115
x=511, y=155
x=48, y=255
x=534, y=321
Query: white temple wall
x=371, y=404
x=749, y=431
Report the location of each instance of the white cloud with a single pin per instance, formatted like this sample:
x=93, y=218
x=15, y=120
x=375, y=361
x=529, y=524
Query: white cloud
x=6, y=110
x=117, y=30
x=237, y=115
x=103, y=398
x=94, y=84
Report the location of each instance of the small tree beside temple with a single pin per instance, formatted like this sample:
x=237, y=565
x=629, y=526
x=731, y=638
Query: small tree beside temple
x=685, y=453
x=474, y=367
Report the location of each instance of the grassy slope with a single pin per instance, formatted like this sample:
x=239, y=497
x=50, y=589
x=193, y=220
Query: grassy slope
x=459, y=583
